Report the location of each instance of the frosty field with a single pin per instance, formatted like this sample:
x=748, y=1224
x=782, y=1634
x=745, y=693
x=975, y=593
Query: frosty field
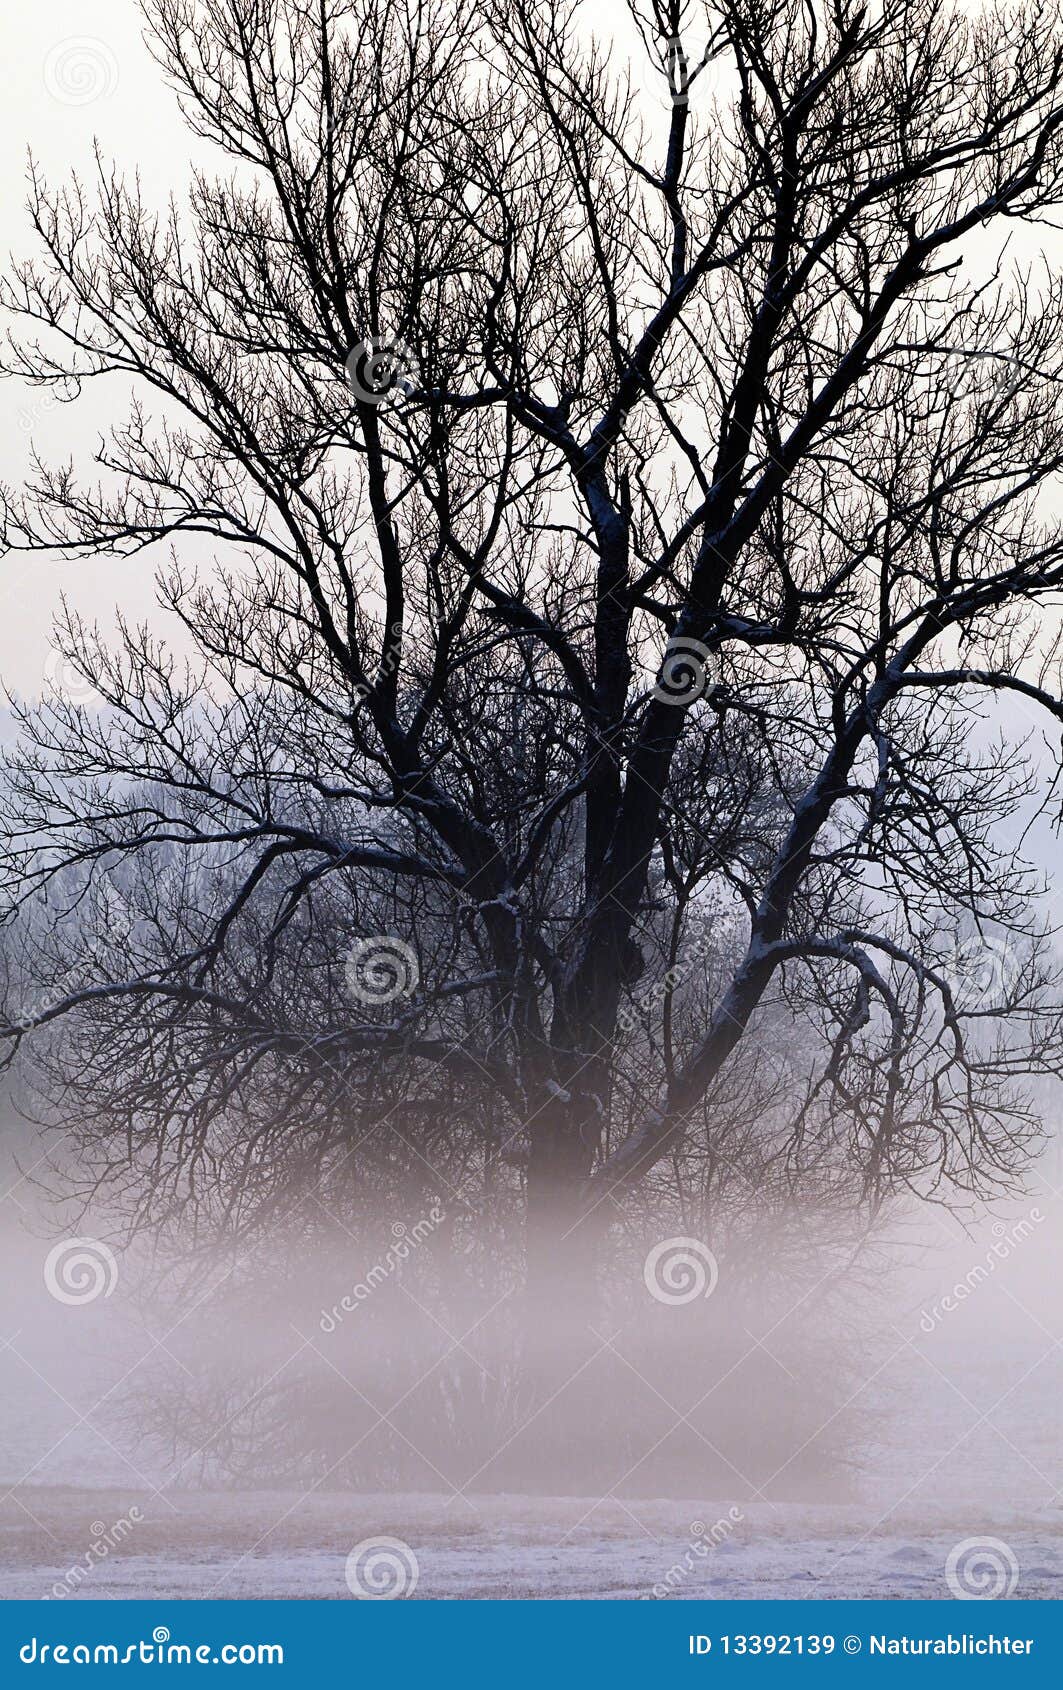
x=270, y=1544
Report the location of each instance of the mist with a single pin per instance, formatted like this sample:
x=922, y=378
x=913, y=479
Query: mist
x=234, y=1426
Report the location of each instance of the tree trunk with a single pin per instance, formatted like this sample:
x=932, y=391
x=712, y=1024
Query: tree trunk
x=561, y=1314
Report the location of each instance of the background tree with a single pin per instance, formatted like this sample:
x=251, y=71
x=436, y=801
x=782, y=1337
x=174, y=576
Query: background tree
x=625, y=492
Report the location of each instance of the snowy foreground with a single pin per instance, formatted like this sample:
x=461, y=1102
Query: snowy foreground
x=270, y=1544
x=953, y=1421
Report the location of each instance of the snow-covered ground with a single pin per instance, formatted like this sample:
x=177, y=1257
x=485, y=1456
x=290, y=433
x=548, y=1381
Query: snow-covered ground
x=961, y=1445
x=954, y=1405
x=274, y=1545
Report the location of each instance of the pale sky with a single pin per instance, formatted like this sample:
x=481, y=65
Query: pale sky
x=71, y=72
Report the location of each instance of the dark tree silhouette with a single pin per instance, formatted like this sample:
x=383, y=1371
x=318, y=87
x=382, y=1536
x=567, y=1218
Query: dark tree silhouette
x=618, y=474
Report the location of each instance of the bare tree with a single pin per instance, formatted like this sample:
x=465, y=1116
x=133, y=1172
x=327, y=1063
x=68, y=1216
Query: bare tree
x=620, y=473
